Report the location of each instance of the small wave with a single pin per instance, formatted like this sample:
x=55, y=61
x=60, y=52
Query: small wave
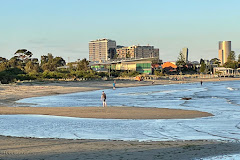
x=153, y=92
x=135, y=93
x=231, y=89
x=214, y=97
x=229, y=101
x=222, y=157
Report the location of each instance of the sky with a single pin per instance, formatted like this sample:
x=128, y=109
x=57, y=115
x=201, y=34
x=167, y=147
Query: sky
x=64, y=27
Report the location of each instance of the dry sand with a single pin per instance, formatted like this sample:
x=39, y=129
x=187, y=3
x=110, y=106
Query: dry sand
x=61, y=149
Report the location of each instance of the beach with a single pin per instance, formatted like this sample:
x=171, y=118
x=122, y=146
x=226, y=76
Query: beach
x=62, y=149
x=36, y=148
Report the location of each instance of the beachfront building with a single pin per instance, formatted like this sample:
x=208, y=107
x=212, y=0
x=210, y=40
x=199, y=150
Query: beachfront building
x=136, y=52
x=223, y=51
x=102, y=49
x=143, y=65
x=169, y=67
x=222, y=71
x=185, y=54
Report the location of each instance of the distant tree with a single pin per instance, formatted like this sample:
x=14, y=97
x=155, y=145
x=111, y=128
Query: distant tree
x=115, y=56
x=29, y=66
x=50, y=63
x=50, y=57
x=70, y=66
x=239, y=58
x=181, y=61
x=10, y=75
x=23, y=54
x=3, y=66
x=201, y=61
x=233, y=65
x=2, y=59
x=215, y=61
x=203, y=66
x=34, y=60
x=48, y=66
x=58, y=61
x=231, y=62
x=44, y=59
x=231, y=57
x=15, y=62
x=83, y=65
x=32, y=67
x=128, y=54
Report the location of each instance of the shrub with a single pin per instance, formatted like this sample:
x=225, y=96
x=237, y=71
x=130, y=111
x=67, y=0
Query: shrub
x=10, y=75
x=129, y=74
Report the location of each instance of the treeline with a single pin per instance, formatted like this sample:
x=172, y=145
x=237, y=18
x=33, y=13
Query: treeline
x=23, y=67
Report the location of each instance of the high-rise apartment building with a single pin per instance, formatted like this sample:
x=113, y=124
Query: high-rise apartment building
x=223, y=51
x=137, y=52
x=102, y=49
x=185, y=54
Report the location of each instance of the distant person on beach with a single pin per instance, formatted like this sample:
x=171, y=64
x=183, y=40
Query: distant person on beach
x=104, y=98
x=201, y=83
x=114, y=85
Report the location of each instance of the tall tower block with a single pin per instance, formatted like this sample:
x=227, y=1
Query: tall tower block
x=102, y=49
x=185, y=54
x=224, y=50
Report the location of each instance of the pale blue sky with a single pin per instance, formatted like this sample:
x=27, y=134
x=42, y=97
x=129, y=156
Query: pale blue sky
x=64, y=27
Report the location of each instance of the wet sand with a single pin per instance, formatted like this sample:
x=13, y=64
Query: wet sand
x=62, y=149
x=107, y=112
x=13, y=148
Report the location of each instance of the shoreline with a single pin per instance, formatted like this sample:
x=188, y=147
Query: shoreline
x=48, y=88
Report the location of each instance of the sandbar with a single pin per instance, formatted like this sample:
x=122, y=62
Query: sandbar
x=107, y=112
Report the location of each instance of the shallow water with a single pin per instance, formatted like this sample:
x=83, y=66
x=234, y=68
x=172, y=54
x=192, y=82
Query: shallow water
x=219, y=98
x=223, y=157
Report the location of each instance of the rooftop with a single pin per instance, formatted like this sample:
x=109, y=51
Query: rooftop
x=103, y=39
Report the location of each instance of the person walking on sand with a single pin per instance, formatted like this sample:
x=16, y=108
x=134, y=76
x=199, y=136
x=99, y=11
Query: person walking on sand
x=114, y=84
x=104, y=98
